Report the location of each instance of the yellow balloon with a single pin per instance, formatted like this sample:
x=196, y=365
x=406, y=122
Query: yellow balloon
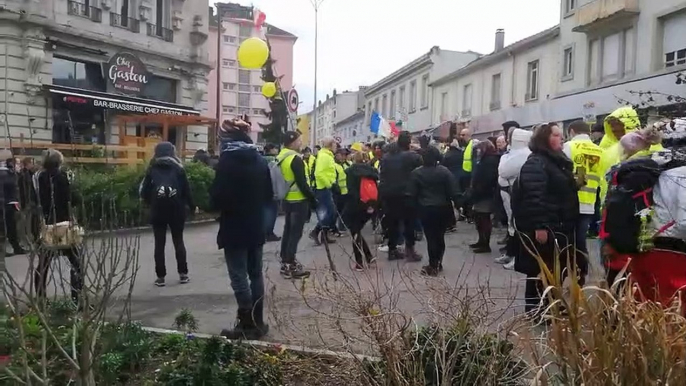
x=253, y=53
x=269, y=89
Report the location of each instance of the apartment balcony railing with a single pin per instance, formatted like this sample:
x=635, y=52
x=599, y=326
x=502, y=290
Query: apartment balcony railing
x=79, y=9
x=163, y=33
x=599, y=13
x=128, y=23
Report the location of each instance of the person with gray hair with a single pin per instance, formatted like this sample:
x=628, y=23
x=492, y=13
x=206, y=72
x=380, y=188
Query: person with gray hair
x=56, y=199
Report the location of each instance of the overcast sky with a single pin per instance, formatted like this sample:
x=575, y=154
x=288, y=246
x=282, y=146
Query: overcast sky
x=361, y=41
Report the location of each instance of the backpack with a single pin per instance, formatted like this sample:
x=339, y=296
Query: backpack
x=165, y=185
x=628, y=208
x=369, y=192
x=280, y=186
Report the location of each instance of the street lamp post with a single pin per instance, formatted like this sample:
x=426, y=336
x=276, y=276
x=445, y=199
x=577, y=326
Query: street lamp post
x=315, y=4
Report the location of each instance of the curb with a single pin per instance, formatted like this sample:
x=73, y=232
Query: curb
x=144, y=228
x=272, y=345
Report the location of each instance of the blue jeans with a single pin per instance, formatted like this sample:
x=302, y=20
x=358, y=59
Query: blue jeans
x=582, y=225
x=326, y=211
x=271, y=211
x=245, y=272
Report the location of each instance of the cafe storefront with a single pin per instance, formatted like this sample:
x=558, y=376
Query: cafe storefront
x=92, y=103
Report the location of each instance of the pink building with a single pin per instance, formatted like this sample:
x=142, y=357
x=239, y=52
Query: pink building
x=239, y=89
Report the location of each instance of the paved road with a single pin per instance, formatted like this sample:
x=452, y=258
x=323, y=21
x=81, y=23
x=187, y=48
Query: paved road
x=304, y=319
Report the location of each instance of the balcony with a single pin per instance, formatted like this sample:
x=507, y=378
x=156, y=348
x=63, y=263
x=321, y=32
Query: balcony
x=128, y=23
x=600, y=13
x=79, y=9
x=163, y=33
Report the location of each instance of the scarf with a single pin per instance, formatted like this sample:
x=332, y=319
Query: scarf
x=237, y=145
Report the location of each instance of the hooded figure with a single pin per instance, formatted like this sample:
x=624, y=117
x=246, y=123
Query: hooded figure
x=166, y=190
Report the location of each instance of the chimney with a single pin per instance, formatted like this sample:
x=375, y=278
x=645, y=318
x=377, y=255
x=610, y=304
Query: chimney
x=499, y=39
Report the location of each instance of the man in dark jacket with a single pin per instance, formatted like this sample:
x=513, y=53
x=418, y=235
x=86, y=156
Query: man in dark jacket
x=396, y=167
x=166, y=190
x=27, y=197
x=271, y=211
x=241, y=189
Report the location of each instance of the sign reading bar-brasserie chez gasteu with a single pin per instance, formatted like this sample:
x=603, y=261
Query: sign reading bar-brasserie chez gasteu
x=127, y=73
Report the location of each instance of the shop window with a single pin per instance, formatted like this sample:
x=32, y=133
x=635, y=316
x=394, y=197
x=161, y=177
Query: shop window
x=160, y=89
x=72, y=73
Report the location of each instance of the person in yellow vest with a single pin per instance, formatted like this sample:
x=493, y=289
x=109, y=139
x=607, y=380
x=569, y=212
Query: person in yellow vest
x=308, y=159
x=324, y=180
x=376, y=154
x=296, y=205
x=464, y=181
x=341, y=190
x=587, y=158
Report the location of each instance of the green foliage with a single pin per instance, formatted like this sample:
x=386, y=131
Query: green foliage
x=186, y=321
x=200, y=177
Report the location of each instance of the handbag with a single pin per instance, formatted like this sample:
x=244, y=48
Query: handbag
x=62, y=235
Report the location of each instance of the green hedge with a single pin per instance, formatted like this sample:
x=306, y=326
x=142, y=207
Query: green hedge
x=110, y=197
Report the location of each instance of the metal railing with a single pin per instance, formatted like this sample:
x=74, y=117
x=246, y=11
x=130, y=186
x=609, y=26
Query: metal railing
x=128, y=23
x=79, y=9
x=163, y=33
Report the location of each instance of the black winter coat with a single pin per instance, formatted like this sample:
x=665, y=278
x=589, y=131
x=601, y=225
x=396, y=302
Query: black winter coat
x=56, y=196
x=395, y=169
x=354, y=174
x=167, y=210
x=240, y=191
x=545, y=195
x=485, y=178
x=453, y=160
x=433, y=186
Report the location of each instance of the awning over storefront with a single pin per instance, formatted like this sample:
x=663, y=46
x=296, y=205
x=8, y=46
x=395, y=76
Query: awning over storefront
x=121, y=103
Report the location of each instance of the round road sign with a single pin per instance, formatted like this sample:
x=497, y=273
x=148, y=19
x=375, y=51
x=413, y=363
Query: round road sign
x=293, y=100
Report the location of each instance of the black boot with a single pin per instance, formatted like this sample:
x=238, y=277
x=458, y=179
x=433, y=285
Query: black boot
x=245, y=328
x=258, y=317
x=314, y=235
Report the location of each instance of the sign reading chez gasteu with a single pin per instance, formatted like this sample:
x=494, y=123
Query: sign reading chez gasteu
x=127, y=73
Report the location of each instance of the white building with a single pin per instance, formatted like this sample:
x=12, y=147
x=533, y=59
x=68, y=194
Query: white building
x=601, y=51
x=331, y=111
x=70, y=69
x=405, y=94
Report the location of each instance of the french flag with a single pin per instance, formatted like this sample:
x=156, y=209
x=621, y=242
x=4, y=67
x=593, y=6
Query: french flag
x=380, y=126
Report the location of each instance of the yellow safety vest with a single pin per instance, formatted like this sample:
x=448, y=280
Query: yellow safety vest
x=587, y=158
x=308, y=169
x=467, y=158
x=286, y=157
x=341, y=179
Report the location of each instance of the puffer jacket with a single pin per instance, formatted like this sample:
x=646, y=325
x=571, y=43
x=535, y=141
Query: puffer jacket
x=512, y=161
x=546, y=195
x=485, y=180
x=395, y=169
x=433, y=186
x=325, y=170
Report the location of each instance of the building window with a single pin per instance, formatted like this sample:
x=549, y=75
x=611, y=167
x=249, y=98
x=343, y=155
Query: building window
x=376, y=104
x=256, y=89
x=232, y=86
x=244, y=76
x=568, y=63
x=570, y=5
x=673, y=44
x=444, y=107
x=72, y=73
x=244, y=88
x=225, y=86
x=244, y=100
x=594, y=62
x=467, y=100
x=384, y=103
x=225, y=62
x=611, y=57
x=257, y=111
x=228, y=109
x=392, y=109
x=369, y=112
x=245, y=30
x=334, y=114
x=401, y=99
x=413, y=96
x=532, y=81
x=495, y=92
x=425, y=91
x=229, y=39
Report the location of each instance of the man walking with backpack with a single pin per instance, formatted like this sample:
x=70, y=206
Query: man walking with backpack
x=166, y=190
x=297, y=201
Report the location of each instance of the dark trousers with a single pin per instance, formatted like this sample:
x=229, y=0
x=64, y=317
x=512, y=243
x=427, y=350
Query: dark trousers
x=11, y=227
x=399, y=212
x=326, y=210
x=340, y=201
x=582, y=226
x=296, y=213
x=484, y=227
x=435, y=221
x=271, y=212
x=245, y=272
x=160, y=233
x=533, y=290
x=41, y=273
x=355, y=219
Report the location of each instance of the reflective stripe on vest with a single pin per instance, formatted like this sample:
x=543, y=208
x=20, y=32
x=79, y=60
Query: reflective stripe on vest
x=467, y=158
x=294, y=193
x=341, y=179
x=586, y=157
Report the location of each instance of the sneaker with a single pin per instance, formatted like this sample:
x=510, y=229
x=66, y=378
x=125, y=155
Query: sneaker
x=475, y=245
x=412, y=256
x=428, y=270
x=283, y=269
x=482, y=250
x=359, y=268
x=503, y=259
x=395, y=255
x=314, y=235
x=383, y=248
x=160, y=282
x=440, y=267
x=451, y=230
x=183, y=279
x=510, y=266
x=272, y=238
x=371, y=260
x=292, y=272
